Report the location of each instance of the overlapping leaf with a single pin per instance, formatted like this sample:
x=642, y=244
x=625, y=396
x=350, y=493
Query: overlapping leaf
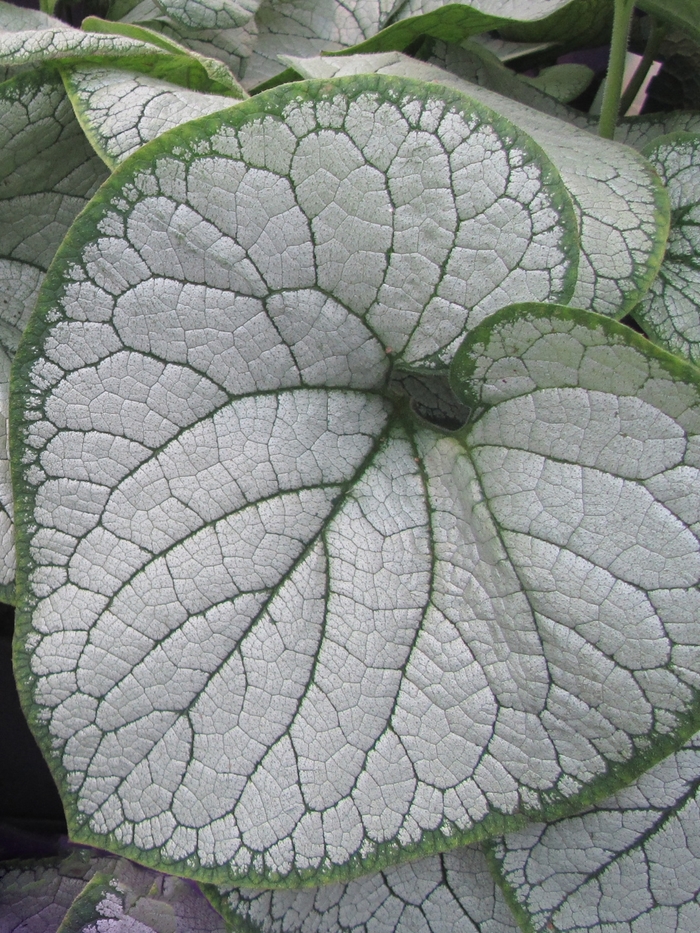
x=622, y=206
x=671, y=311
x=275, y=626
x=121, y=111
x=440, y=893
x=48, y=172
x=26, y=49
x=631, y=863
x=130, y=899
x=35, y=896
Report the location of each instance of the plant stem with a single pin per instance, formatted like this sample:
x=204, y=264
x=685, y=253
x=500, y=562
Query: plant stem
x=658, y=31
x=616, y=68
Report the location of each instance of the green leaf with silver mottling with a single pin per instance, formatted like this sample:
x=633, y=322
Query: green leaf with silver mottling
x=628, y=864
x=219, y=75
x=477, y=64
x=442, y=893
x=623, y=207
x=28, y=49
x=121, y=111
x=48, y=173
x=273, y=627
x=130, y=899
x=670, y=313
x=640, y=132
x=36, y=895
x=562, y=82
x=571, y=21
x=15, y=18
x=209, y=14
x=238, y=291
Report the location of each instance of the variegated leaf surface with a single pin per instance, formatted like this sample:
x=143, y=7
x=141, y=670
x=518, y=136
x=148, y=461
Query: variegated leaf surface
x=120, y=111
x=275, y=628
x=671, y=310
x=631, y=863
x=216, y=77
x=48, y=173
x=622, y=206
x=317, y=259
x=209, y=14
x=438, y=894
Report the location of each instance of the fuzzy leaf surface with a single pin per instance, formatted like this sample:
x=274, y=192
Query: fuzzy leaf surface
x=671, y=310
x=630, y=863
x=623, y=208
x=222, y=492
x=48, y=174
x=454, y=891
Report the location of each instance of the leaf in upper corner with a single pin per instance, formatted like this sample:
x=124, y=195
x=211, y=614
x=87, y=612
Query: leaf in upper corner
x=130, y=899
x=121, y=111
x=15, y=18
x=572, y=21
x=683, y=14
x=30, y=49
x=670, y=312
x=622, y=206
x=274, y=627
x=48, y=174
x=219, y=78
x=628, y=864
x=454, y=891
x=209, y=14
x=562, y=82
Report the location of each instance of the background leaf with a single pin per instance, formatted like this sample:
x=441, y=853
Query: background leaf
x=671, y=310
x=629, y=863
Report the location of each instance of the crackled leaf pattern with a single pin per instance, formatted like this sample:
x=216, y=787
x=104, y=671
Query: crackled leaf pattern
x=671, y=310
x=622, y=207
x=129, y=899
x=210, y=14
x=307, y=27
x=274, y=624
x=630, y=863
x=35, y=897
x=48, y=174
x=121, y=110
x=445, y=892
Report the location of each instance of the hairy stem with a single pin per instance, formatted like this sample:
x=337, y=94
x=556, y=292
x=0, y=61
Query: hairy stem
x=616, y=68
x=658, y=31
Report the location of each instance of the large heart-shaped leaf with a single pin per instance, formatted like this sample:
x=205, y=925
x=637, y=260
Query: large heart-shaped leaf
x=631, y=863
x=48, y=173
x=272, y=623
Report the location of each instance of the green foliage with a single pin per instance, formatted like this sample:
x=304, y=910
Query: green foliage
x=354, y=538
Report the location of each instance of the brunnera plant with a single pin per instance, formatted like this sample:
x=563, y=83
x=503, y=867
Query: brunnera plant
x=354, y=541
